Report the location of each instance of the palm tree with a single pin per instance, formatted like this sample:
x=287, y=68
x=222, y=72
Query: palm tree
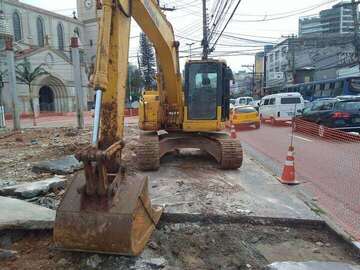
x=26, y=75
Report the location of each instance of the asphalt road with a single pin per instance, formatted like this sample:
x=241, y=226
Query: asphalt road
x=328, y=170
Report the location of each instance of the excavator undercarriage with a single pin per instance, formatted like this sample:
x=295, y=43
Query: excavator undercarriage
x=152, y=147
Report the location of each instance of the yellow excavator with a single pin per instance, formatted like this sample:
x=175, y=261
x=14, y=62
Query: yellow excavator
x=104, y=209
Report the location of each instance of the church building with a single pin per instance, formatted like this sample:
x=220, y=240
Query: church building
x=43, y=38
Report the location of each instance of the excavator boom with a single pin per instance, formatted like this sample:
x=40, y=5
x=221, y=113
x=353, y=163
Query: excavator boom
x=104, y=210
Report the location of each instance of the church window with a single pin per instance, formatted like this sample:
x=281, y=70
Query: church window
x=60, y=34
x=40, y=31
x=17, y=26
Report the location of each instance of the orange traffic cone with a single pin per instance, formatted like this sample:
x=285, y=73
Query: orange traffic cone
x=232, y=131
x=288, y=175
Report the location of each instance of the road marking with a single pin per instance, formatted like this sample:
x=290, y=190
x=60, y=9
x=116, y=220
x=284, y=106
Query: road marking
x=301, y=138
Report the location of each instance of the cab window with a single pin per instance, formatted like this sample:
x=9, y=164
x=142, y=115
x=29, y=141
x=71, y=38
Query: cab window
x=266, y=102
x=272, y=101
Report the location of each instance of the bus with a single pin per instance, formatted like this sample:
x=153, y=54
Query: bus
x=326, y=88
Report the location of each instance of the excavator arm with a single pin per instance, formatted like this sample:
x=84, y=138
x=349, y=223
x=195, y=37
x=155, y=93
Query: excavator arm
x=104, y=210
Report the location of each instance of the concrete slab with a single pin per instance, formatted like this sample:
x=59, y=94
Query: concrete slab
x=183, y=186
x=66, y=165
x=311, y=266
x=17, y=214
x=30, y=190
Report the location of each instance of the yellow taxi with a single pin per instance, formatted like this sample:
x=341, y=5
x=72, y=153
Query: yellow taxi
x=245, y=116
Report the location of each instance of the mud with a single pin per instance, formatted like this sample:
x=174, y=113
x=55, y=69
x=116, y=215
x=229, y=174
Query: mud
x=191, y=246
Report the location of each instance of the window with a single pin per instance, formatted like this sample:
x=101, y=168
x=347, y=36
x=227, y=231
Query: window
x=17, y=26
x=324, y=105
x=266, y=102
x=291, y=100
x=272, y=101
x=245, y=110
x=60, y=34
x=40, y=31
x=202, y=86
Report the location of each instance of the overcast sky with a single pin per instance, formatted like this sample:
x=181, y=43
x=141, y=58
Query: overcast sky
x=259, y=21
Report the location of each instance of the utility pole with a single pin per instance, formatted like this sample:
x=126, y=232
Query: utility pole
x=190, y=45
x=252, y=67
x=12, y=81
x=292, y=64
x=205, y=41
x=75, y=52
x=356, y=29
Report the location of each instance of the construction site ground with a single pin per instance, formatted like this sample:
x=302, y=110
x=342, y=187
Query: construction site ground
x=213, y=219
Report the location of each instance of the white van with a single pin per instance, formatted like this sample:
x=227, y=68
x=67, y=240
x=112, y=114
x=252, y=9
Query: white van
x=243, y=101
x=281, y=107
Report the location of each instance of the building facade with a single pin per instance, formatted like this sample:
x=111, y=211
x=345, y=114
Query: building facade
x=299, y=60
x=43, y=38
x=338, y=19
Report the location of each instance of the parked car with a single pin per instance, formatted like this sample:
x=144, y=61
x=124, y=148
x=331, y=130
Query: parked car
x=281, y=107
x=243, y=101
x=341, y=114
x=255, y=104
x=245, y=116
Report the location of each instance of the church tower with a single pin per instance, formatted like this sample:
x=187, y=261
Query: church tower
x=87, y=14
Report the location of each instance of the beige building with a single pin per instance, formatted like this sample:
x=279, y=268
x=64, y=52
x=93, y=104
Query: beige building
x=43, y=37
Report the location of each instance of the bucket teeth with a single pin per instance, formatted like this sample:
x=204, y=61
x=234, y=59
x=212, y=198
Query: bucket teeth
x=121, y=223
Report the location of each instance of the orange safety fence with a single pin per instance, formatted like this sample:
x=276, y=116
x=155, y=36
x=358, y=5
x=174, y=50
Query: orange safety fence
x=314, y=129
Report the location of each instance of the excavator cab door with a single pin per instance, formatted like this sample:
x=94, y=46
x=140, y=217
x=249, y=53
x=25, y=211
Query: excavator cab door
x=207, y=94
x=202, y=90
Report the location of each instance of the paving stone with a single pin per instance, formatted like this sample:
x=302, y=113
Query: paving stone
x=6, y=183
x=17, y=214
x=7, y=255
x=311, y=266
x=30, y=190
x=65, y=165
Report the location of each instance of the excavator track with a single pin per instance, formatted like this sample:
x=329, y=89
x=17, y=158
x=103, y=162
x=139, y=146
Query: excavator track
x=231, y=154
x=148, y=152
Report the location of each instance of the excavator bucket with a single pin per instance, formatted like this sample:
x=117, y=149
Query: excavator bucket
x=118, y=223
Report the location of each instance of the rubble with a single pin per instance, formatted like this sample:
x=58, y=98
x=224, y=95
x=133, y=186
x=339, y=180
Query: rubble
x=30, y=190
x=7, y=255
x=65, y=165
x=17, y=214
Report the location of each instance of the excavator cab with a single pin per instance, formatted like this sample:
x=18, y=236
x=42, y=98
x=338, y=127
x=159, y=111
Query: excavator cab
x=207, y=91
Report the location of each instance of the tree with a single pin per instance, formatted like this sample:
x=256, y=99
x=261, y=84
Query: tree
x=26, y=75
x=136, y=83
x=147, y=62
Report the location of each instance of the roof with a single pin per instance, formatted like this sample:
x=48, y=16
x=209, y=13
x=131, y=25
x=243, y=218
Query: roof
x=43, y=11
x=32, y=51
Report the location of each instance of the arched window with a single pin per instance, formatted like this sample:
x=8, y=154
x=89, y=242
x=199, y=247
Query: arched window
x=60, y=34
x=77, y=31
x=40, y=31
x=17, y=26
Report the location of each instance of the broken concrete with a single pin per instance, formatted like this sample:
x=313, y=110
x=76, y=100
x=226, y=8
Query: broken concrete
x=30, y=190
x=6, y=183
x=17, y=214
x=7, y=255
x=65, y=165
x=311, y=266
x=203, y=189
